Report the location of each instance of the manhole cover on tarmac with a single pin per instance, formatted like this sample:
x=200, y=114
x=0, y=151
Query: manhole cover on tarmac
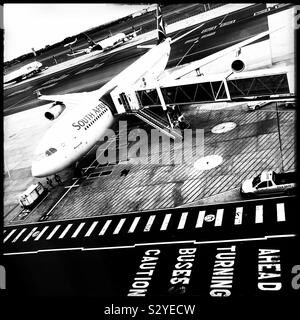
x=223, y=127
x=208, y=162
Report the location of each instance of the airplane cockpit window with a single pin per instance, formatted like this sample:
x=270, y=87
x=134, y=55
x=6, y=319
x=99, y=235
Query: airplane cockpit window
x=50, y=151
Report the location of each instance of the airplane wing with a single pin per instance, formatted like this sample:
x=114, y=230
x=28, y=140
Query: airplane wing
x=69, y=99
x=200, y=63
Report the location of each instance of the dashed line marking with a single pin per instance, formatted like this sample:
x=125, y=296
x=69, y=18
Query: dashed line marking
x=41, y=233
x=238, y=215
x=134, y=224
x=75, y=234
x=29, y=234
x=182, y=220
x=259, y=214
x=91, y=229
x=280, y=212
x=107, y=223
x=200, y=219
x=53, y=232
x=149, y=223
x=165, y=223
x=9, y=235
x=65, y=231
x=19, y=235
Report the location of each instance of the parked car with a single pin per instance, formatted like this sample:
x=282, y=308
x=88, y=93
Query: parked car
x=257, y=105
x=268, y=183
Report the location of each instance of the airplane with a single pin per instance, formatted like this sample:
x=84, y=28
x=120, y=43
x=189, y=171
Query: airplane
x=77, y=130
x=24, y=72
x=107, y=43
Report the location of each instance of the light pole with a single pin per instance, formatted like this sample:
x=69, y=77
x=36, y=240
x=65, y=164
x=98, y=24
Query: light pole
x=279, y=136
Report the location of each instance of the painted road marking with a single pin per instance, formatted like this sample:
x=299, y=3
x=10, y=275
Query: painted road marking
x=9, y=235
x=259, y=214
x=107, y=223
x=219, y=217
x=29, y=234
x=41, y=233
x=238, y=215
x=182, y=220
x=119, y=226
x=165, y=223
x=19, y=235
x=134, y=224
x=52, y=233
x=75, y=234
x=200, y=219
x=91, y=229
x=149, y=223
x=65, y=231
x=280, y=212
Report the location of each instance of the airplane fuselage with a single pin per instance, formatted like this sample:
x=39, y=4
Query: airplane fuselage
x=78, y=130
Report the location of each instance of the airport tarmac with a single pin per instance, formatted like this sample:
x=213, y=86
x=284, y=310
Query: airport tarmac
x=252, y=146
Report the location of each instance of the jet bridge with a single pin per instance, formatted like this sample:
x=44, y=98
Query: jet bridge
x=252, y=85
x=265, y=84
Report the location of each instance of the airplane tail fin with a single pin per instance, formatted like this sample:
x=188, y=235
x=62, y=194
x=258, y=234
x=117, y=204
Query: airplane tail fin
x=160, y=25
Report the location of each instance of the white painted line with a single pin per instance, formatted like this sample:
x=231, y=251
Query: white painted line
x=91, y=229
x=259, y=214
x=65, y=231
x=165, y=223
x=29, y=234
x=200, y=219
x=75, y=234
x=280, y=212
x=41, y=233
x=182, y=220
x=149, y=223
x=19, y=235
x=119, y=226
x=107, y=223
x=52, y=233
x=238, y=215
x=9, y=235
x=219, y=217
x=134, y=224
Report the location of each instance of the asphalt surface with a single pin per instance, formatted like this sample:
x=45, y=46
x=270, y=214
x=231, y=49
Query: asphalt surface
x=94, y=74
x=107, y=256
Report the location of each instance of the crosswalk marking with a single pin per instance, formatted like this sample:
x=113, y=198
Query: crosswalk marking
x=149, y=223
x=52, y=233
x=219, y=217
x=29, y=234
x=182, y=220
x=91, y=229
x=65, y=231
x=165, y=223
x=200, y=219
x=75, y=234
x=119, y=226
x=9, y=235
x=19, y=235
x=107, y=223
x=280, y=212
x=134, y=224
x=41, y=233
x=259, y=214
x=238, y=215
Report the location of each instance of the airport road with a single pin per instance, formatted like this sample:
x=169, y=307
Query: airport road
x=141, y=254
x=92, y=75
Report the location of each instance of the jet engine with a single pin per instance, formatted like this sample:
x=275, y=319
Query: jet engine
x=238, y=65
x=55, y=110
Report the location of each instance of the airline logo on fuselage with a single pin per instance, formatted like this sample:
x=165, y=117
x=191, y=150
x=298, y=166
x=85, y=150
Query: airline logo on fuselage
x=89, y=117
